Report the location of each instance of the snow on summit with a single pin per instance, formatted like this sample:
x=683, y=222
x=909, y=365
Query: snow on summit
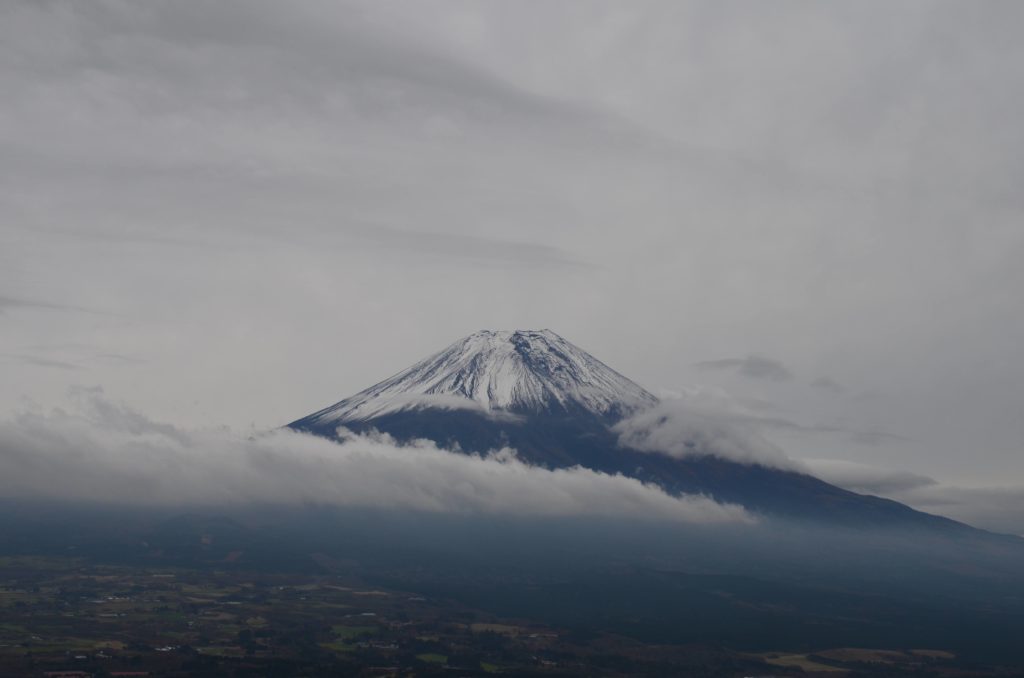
x=499, y=373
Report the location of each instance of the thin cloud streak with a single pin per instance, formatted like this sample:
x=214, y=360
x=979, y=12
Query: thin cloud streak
x=866, y=478
x=996, y=508
x=45, y=362
x=8, y=302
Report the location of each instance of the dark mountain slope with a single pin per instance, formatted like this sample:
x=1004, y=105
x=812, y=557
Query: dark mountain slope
x=555, y=405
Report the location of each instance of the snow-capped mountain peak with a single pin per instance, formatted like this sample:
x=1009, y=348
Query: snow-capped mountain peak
x=499, y=373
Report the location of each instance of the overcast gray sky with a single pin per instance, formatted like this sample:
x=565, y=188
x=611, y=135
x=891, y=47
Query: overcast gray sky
x=239, y=212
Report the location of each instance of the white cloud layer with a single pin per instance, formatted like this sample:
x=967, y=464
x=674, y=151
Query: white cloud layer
x=699, y=423
x=710, y=422
x=113, y=454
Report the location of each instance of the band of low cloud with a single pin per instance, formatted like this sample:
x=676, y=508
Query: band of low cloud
x=115, y=455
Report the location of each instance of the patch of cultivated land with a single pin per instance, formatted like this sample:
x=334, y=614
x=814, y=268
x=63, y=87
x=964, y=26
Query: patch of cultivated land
x=69, y=615
x=856, y=654
x=802, y=662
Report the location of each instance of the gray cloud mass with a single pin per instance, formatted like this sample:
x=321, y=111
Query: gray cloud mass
x=753, y=367
x=270, y=206
x=828, y=384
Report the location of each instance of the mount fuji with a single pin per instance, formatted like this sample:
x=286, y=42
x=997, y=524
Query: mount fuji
x=499, y=375
x=556, y=405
